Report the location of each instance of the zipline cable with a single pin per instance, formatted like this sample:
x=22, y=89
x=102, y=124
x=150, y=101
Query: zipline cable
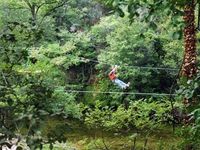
x=140, y=67
x=113, y=92
x=122, y=93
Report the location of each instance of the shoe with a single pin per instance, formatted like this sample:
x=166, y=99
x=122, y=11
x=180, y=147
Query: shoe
x=128, y=84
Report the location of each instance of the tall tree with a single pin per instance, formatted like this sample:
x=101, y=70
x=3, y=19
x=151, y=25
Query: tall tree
x=189, y=68
x=176, y=8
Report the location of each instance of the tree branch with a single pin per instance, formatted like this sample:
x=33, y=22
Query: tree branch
x=4, y=78
x=16, y=8
x=28, y=3
x=50, y=11
x=39, y=6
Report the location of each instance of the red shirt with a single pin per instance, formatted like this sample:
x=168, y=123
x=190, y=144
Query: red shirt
x=112, y=75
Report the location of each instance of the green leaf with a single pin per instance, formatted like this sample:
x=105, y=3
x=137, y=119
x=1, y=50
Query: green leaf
x=120, y=12
x=196, y=85
x=196, y=113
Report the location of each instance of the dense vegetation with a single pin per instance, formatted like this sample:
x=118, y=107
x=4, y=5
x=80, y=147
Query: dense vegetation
x=55, y=56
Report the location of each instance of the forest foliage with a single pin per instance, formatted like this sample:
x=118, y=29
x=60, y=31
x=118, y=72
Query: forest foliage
x=50, y=48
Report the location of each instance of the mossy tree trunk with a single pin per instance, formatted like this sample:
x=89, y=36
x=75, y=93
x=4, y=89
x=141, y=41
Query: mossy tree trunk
x=189, y=68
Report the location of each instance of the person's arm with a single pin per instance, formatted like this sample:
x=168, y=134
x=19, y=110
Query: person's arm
x=113, y=70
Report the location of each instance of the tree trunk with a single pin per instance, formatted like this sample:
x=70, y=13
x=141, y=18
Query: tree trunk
x=189, y=68
x=33, y=12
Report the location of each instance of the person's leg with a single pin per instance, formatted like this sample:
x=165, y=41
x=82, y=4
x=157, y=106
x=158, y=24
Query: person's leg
x=121, y=84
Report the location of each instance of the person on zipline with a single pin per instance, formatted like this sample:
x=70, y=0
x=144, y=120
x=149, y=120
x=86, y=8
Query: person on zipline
x=113, y=77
